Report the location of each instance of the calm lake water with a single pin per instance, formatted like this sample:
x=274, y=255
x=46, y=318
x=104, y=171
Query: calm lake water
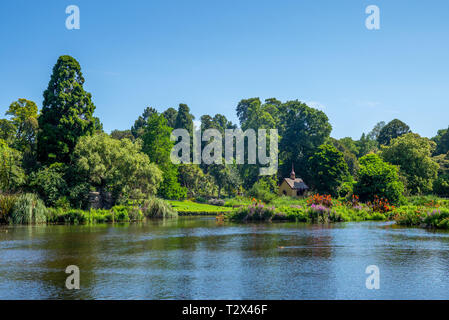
x=200, y=258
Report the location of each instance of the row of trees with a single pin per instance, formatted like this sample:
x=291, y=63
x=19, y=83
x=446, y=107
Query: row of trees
x=62, y=152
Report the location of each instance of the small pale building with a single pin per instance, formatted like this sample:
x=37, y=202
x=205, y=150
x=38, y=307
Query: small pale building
x=293, y=186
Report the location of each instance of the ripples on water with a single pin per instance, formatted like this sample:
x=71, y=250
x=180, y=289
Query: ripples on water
x=198, y=258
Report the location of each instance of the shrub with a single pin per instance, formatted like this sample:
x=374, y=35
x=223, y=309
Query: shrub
x=28, y=209
x=120, y=213
x=262, y=190
x=441, y=186
x=7, y=202
x=216, y=202
x=253, y=212
x=378, y=178
x=157, y=208
x=201, y=199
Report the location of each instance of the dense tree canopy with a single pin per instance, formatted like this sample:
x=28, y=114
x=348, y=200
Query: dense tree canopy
x=395, y=128
x=378, y=178
x=412, y=154
x=12, y=175
x=442, y=142
x=157, y=145
x=303, y=129
x=117, y=166
x=67, y=112
x=328, y=169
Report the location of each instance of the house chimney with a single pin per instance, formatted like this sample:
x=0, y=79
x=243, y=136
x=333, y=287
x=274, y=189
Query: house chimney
x=292, y=174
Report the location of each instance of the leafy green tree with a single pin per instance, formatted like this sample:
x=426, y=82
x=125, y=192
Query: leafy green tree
x=366, y=145
x=303, y=130
x=122, y=134
x=157, y=145
x=116, y=166
x=12, y=176
x=184, y=119
x=139, y=125
x=374, y=134
x=412, y=154
x=328, y=169
x=349, y=145
x=67, y=113
x=264, y=189
x=395, y=128
x=378, y=178
x=170, y=115
x=226, y=177
x=24, y=117
x=50, y=183
x=255, y=115
x=7, y=131
x=196, y=181
x=442, y=142
x=350, y=157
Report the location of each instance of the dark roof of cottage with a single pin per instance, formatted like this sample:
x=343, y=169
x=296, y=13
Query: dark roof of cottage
x=297, y=184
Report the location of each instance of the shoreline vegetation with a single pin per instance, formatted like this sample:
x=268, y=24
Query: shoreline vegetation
x=423, y=211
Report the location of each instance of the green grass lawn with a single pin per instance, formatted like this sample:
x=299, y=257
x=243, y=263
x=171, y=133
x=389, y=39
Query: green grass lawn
x=192, y=208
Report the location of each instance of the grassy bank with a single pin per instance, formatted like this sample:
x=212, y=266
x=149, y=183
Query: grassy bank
x=29, y=209
x=193, y=208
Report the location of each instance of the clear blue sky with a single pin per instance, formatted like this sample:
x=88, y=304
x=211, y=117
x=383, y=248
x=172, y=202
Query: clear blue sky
x=210, y=54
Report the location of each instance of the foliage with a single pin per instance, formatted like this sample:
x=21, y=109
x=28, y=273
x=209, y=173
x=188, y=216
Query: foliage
x=195, y=181
x=255, y=211
x=327, y=169
x=378, y=178
x=24, y=118
x=184, y=119
x=226, y=177
x=157, y=145
x=413, y=156
x=7, y=202
x=303, y=130
x=442, y=142
x=115, y=165
x=441, y=186
x=28, y=209
x=395, y=128
x=157, y=208
x=67, y=112
x=122, y=134
x=12, y=176
x=216, y=202
x=49, y=183
x=170, y=115
x=137, y=129
x=264, y=189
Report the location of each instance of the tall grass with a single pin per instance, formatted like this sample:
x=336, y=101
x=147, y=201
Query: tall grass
x=7, y=202
x=157, y=208
x=28, y=209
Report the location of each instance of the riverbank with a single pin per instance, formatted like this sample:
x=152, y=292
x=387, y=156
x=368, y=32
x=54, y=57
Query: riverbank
x=427, y=212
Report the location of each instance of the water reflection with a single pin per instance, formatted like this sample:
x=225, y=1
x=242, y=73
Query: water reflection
x=198, y=258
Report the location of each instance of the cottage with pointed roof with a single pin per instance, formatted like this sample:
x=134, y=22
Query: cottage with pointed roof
x=293, y=187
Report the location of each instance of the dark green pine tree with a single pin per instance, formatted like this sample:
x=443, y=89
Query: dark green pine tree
x=67, y=112
x=184, y=119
